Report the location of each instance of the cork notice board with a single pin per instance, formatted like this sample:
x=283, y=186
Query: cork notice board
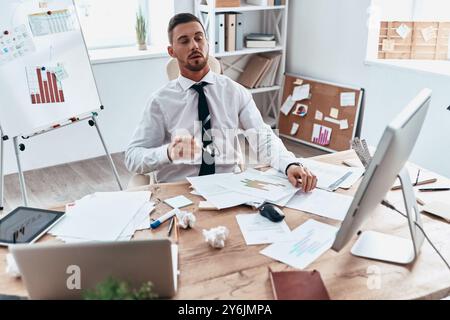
x=328, y=118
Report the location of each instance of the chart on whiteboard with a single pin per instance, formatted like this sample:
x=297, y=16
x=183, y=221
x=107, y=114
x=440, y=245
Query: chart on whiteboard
x=44, y=85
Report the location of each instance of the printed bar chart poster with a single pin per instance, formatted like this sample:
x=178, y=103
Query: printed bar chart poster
x=46, y=76
x=44, y=85
x=321, y=135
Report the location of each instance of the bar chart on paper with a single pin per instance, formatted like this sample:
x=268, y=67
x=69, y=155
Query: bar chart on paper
x=321, y=135
x=44, y=85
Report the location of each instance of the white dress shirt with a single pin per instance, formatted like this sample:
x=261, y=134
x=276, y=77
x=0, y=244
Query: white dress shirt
x=173, y=111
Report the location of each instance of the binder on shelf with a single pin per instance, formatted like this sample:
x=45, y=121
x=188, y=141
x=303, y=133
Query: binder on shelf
x=220, y=33
x=230, y=32
x=260, y=44
x=269, y=78
x=239, y=31
x=253, y=71
x=258, y=2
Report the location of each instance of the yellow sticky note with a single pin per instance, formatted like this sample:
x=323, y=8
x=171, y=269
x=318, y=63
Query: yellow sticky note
x=334, y=113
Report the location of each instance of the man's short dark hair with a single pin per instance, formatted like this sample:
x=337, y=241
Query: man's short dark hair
x=181, y=18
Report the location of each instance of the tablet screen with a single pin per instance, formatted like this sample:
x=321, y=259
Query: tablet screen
x=24, y=224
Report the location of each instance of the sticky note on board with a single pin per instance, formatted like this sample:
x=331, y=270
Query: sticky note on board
x=301, y=92
x=428, y=33
x=388, y=45
x=344, y=124
x=334, y=113
x=403, y=31
x=294, y=128
x=319, y=115
x=348, y=99
x=287, y=106
x=298, y=82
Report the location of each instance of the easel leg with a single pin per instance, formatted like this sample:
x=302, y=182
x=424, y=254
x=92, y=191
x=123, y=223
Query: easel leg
x=2, y=179
x=111, y=162
x=20, y=172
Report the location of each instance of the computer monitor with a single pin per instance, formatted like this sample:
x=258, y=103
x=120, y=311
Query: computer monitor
x=387, y=163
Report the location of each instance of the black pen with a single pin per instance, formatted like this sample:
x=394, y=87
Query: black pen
x=170, y=226
x=434, y=189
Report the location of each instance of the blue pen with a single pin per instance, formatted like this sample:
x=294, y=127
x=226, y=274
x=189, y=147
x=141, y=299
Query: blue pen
x=155, y=224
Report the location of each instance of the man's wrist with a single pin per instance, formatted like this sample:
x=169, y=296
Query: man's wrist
x=298, y=164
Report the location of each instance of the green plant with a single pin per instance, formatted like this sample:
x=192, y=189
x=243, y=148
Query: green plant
x=114, y=289
x=141, y=27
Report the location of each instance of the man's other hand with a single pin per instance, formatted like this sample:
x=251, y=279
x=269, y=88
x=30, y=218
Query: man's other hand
x=301, y=177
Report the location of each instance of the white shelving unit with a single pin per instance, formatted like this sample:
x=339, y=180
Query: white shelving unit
x=265, y=19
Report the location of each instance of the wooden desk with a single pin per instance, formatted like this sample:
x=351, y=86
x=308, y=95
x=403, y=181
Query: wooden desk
x=240, y=272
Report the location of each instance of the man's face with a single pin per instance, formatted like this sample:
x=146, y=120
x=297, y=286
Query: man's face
x=189, y=46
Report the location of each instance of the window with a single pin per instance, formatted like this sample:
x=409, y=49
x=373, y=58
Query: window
x=111, y=23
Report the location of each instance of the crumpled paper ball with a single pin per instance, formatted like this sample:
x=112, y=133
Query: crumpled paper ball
x=186, y=219
x=216, y=236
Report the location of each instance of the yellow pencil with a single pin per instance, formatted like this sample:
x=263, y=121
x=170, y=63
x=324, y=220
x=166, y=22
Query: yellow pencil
x=176, y=229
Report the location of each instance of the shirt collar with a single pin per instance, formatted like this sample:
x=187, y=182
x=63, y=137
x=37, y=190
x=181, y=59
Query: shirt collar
x=186, y=83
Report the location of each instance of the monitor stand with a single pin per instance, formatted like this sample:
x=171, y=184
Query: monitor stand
x=379, y=246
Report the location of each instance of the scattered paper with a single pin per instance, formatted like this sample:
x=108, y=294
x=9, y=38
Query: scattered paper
x=321, y=135
x=322, y=203
x=301, y=92
x=294, y=128
x=216, y=236
x=332, y=120
x=403, y=31
x=178, y=202
x=287, y=106
x=348, y=99
x=298, y=82
x=344, y=124
x=438, y=208
x=330, y=177
x=15, y=44
x=257, y=229
x=428, y=33
x=307, y=243
x=319, y=115
x=388, y=45
x=334, y=113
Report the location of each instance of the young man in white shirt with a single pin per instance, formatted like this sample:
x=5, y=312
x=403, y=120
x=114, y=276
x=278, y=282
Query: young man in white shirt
x=186, y=120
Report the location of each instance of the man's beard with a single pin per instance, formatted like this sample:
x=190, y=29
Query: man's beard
x=197, y=65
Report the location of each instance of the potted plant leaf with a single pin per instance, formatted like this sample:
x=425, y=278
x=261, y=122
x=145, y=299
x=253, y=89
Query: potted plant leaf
x=141, y=30
x=115, y=289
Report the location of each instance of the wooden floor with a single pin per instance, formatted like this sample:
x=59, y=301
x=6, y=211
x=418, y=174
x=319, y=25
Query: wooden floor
x=53, y=186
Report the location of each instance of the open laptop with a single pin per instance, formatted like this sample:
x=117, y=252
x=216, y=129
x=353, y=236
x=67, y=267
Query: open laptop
x=65, y=271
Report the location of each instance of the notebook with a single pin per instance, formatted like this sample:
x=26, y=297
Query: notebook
x=298, y=285
x=253, y=71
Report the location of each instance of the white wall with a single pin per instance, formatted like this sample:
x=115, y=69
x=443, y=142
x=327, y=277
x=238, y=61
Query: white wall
x=328, y=41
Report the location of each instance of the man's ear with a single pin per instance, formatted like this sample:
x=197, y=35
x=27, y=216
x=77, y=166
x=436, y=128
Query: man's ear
x=170, y=51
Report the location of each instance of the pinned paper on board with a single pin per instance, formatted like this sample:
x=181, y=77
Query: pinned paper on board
x=348, y=99
x=403, y=31
x=321, y=135
x=51, y=22
x=294, y=128
x=344, y=124
x=298, y=82
x=334, y=113
x=300, y=110
x=332, y=120
x=319, y=115
x=15, y=43
x=301, y=92
x=388, y=45
x=60, y=72
x=428, y=33
x=287, y=106
x=44, y=86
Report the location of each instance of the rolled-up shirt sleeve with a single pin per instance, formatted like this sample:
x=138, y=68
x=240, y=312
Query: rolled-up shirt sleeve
x=269, y=148
x=147, y=150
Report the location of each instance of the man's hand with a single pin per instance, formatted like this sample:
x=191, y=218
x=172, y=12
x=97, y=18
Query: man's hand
x=183, y=148
x=302, y=177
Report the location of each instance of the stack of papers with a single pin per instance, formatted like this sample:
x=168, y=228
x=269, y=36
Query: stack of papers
x=250, y=187
x=257, y=229
x=105, y=216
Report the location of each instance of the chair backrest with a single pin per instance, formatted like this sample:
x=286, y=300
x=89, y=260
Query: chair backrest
x=173, y=71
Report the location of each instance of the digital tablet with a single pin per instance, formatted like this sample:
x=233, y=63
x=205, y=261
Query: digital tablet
x=26, y=225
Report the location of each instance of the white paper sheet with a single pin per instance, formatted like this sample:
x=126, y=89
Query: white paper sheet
x=319, y=115
x=294, y=128
x=301, y=92
x=343, y=124
x=257, y=229
x=428, y=33
x=348, y=99
x=287, y=106
x=403, y=31
x=307, y=243
x=334, y=113
x=322, y=203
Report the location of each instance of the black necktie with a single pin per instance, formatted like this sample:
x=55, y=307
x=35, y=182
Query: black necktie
x=208, y=165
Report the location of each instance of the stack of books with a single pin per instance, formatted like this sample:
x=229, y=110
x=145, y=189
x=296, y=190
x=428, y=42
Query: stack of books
x=260, y=40
x=261, y=71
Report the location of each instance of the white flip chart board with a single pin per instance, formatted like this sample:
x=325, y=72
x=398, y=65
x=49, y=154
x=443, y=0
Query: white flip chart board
x=45, y=73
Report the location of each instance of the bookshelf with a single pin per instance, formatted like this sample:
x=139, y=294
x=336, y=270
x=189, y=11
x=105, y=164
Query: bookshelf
x=258, y=19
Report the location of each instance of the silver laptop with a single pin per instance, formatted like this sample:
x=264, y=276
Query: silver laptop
x=66, y=271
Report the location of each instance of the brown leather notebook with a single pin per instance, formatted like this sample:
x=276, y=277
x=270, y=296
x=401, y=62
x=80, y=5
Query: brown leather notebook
x=298, y=285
